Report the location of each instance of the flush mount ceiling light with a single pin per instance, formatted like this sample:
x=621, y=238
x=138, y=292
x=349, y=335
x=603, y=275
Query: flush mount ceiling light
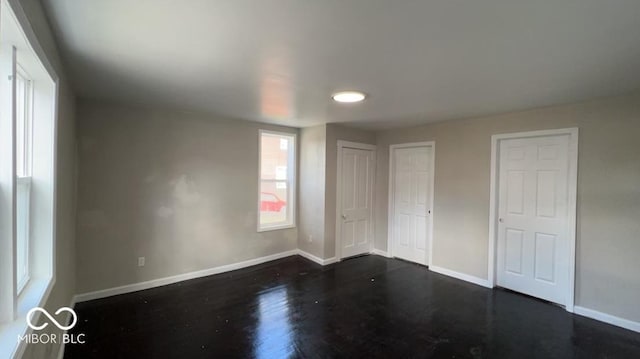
x=348, y=96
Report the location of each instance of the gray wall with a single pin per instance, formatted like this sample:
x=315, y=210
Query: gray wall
x=313, y=143
x=180, y=189
x=608, y=243
x=64, y=288
x=334, y=134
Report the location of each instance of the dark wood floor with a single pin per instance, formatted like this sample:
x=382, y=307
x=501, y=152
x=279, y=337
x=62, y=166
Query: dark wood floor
x=366, y=307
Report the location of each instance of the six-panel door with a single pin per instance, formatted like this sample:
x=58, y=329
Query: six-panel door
x=533, y=248
x=411, y=203
x=357, y=209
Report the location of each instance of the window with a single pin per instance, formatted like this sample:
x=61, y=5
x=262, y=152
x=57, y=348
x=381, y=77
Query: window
x=276, y=205
x=28, y=99
x=24, y=95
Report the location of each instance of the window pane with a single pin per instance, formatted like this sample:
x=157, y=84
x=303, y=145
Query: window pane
x=274, y=156
x=23, y=125
x=23, y=173
x=274, y=200
x=22, y=232
x=20, y=125
x=276, y=205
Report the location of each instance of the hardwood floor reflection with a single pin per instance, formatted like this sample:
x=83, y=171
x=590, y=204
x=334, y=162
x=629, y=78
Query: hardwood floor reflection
x=368, y=306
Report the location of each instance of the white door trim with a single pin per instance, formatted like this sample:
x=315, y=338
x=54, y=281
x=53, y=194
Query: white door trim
x=359, y=146
x=572, y=193
x=390, y=213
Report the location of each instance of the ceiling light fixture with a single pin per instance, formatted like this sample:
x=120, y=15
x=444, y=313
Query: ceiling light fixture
x=348, y=96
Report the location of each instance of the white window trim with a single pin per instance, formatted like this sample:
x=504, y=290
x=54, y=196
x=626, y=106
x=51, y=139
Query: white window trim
x=26, y=164
x=291, y=181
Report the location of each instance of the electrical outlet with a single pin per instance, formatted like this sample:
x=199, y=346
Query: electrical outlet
x=140, y=261
x=310, y=238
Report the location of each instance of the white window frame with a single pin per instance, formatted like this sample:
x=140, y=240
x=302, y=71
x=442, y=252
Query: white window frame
x=290, y=181
x=23, y=182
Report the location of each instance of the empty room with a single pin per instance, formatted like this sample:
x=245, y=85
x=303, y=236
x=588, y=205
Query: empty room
x=319, y=179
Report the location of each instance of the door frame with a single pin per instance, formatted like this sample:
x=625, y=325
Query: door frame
x=358, y=146
x=391, y=209
x=572, y=207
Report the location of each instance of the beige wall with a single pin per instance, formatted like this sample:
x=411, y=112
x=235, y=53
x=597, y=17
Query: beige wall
x=313, y=141
x=179, y=189
x=608, y=243
x=336, y=133
x=167, y=186
x=64, y=288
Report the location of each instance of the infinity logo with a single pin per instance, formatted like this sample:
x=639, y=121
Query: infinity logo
x=51, y=319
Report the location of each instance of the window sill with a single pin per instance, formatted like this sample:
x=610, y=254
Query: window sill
x=34, y=295
x=276, y=228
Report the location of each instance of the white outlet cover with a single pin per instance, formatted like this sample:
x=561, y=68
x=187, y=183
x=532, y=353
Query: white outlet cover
x=140, y=261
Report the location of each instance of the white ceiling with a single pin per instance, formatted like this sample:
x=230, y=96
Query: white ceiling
x=279, y=60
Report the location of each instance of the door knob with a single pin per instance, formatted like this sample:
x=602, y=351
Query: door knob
x=344, y=216
x=500, y=220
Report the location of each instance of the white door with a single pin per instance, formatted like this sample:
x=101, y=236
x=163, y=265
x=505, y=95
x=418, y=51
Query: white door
x=533, y=205
x=411, y=193
x=356, y=201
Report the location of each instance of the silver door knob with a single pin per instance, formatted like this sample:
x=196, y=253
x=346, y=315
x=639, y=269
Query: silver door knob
x=344, y=216
x=500, y=220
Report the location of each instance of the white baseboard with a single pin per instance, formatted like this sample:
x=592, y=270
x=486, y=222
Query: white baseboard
x=311, y=257
x=331, y=261
x=316, y=259
x=465, y=277
x=379, y=252
x=607, y=318
x=179, y=278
